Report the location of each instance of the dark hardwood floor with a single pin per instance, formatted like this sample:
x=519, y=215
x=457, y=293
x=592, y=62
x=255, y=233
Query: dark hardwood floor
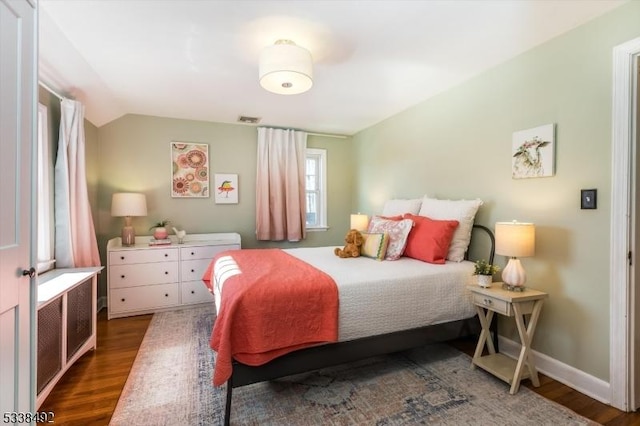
x=89, y=391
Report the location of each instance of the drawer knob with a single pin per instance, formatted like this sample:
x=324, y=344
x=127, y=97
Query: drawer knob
x=122, y=299
x=166, y=255
x=166, y=295
x=192, y=254
x=193, y=292
x=122, y=276
x=193, y=270
x=121, y=257
x=488, y=301
x=166, y=272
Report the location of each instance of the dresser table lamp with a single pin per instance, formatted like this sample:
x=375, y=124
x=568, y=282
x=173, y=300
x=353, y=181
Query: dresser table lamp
x=127, y=205
x=515, y=240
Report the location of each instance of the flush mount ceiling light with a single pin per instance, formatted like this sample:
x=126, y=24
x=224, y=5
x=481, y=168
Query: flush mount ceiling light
x=286, y=68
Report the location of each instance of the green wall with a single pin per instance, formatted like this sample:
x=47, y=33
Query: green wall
x=458, y=145
x=134, y=155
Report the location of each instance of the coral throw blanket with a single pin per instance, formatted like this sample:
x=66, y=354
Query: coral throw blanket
x=276, y=304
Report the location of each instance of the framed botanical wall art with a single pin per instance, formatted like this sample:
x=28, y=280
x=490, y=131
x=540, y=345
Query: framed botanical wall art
x=226, y=188
x=190, y=170
x=533, y=152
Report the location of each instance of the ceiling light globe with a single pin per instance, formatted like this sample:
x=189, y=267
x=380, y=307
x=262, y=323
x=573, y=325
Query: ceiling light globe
x=286, y=69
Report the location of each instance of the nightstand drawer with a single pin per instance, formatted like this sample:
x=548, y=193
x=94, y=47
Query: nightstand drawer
x=496, y=305
x=502, y=306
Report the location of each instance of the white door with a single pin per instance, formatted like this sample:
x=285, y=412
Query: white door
x=17, y=118
x=635, y=272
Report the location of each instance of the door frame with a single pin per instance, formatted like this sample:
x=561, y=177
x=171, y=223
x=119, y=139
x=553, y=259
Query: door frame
x=621, y=327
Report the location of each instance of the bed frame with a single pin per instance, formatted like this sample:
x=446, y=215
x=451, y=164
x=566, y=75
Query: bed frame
x=331, y=354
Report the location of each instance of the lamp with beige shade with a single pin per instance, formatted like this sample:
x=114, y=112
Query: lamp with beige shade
x=515, y=240
x=127, y=205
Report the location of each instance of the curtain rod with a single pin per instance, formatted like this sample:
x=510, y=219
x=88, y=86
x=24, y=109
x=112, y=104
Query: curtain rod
x=50, y=90
x=327, y=135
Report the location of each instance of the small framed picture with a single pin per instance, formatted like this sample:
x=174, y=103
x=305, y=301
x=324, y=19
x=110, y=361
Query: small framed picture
x=226, y=188
x=533, y=152
x=588, y=199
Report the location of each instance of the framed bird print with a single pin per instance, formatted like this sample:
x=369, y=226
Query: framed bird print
x=226, y=188
x=190, y=173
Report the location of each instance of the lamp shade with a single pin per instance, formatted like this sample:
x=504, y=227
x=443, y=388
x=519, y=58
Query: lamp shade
x=286, y=68
x=128, y=204
x=515, y=239
x=359, y=222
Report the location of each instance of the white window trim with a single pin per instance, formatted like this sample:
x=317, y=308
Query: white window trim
x=322, y=155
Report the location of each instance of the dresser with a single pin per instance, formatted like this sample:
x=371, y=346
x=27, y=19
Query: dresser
x=143, y=279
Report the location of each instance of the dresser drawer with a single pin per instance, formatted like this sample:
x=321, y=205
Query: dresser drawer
x=195, y=292
x=141, y=298
x=150, y=255
x=192, y=270
x=204, y=252
x=143, y=274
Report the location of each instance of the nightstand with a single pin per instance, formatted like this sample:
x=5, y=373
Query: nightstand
x=512, y=304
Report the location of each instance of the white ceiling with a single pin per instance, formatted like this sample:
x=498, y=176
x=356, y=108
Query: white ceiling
x=199, y=59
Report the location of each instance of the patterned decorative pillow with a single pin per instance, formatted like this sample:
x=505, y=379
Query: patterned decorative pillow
x=464, y=211
x=398, y=231
x=375, y=245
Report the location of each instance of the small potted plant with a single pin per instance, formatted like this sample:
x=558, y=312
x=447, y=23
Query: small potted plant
x=159, y=230
x=484, y=272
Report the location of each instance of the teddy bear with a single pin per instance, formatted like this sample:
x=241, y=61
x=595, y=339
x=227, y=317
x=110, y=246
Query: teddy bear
x=354, y=240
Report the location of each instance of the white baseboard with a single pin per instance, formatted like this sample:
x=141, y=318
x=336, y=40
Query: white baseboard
x=566, y=374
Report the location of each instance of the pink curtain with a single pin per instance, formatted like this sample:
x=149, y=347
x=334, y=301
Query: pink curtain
x=280, y=185
x=76, y=245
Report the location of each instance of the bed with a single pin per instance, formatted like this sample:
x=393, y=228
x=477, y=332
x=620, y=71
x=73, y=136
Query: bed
x=384, y=307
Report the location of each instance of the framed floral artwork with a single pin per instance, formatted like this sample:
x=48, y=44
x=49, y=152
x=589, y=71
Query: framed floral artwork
x=226, y=188
x=533, y=152
x=190, y=170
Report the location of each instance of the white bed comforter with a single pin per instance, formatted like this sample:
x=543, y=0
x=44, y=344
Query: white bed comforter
x=382, y=297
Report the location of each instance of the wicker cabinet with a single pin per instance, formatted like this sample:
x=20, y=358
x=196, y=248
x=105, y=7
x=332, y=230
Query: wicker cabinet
x=144, y=279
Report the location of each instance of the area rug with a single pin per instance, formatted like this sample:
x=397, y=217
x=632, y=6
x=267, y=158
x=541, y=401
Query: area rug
x=171, y=384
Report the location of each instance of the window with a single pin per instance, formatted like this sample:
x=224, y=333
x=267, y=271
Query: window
x=44, y=194
x=316, y=187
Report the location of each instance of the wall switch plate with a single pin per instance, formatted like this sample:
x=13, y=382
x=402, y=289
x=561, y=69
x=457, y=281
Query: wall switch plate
x=588, y=199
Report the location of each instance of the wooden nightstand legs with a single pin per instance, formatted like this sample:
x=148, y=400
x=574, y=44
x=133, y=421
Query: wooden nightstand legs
x=485, y=334
x=500, y=365
x=526, y=336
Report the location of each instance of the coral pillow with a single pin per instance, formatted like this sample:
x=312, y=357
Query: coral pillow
x=375, y=245
x=429, y=239
x=398, y=231
x=464, y=211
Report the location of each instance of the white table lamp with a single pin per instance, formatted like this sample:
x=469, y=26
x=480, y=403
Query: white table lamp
x=359, y=222
x=127, y=205
x=515, y=240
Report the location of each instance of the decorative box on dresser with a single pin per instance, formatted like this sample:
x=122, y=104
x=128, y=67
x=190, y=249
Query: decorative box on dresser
x=143, y=279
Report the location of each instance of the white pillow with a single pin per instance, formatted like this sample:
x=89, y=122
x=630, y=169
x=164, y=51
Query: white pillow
x=464, y=211
x=400, y=207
